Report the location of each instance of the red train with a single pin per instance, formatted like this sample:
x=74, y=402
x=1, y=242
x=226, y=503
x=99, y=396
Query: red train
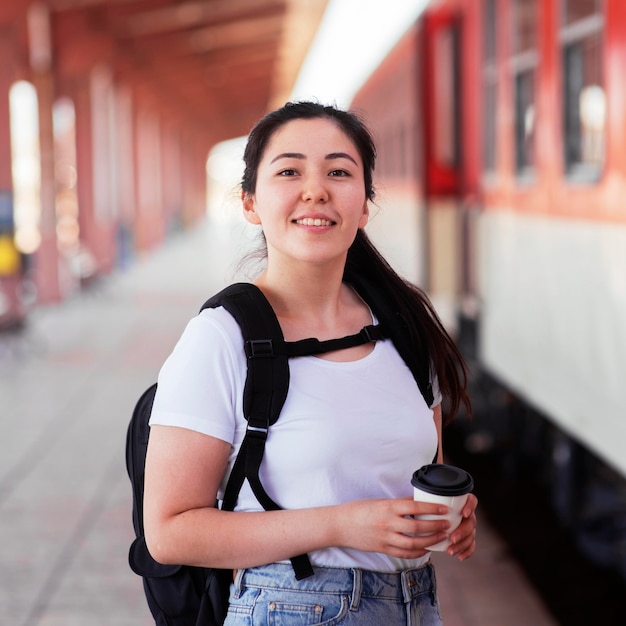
x=501, y=127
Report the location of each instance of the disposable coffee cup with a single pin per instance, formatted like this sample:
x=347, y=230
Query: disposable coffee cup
x=442, y=484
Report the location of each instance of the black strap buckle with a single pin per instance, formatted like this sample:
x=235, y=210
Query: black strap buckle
x=257, y=435
x=261, y=432
x=368, y=335
x=372, y=333
x=259, y=348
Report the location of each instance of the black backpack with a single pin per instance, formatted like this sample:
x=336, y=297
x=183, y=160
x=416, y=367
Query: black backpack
x=181, y=595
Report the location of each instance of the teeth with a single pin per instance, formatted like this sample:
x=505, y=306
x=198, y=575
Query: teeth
x=309, y=221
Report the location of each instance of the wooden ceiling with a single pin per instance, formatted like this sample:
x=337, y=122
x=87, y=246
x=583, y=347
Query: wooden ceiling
x=216, y=64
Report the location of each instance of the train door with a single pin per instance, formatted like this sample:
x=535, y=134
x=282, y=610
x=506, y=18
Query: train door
x=441, y=106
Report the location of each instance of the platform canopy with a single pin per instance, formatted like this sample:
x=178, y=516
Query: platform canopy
x=217, y=64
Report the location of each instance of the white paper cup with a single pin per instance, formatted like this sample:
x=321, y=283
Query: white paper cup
x=442, y=484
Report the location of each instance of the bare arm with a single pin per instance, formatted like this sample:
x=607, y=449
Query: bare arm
x=183, y=473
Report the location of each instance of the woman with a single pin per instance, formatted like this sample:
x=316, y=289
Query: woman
x=354, y=426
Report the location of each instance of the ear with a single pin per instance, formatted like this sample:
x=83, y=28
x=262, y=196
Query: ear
x=249, y=208
x=366, y=215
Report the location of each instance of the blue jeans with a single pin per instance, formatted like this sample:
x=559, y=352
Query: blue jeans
x=271, y=596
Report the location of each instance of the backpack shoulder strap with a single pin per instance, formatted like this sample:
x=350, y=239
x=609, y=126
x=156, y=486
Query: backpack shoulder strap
x=267, y=382
x=396, y=327
x=265, y=392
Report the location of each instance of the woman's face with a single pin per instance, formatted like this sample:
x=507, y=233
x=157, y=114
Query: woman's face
x=310, y=193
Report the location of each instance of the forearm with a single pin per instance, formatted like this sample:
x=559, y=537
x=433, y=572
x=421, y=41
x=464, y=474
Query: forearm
x=181, y=527
x=212, y=538
x=209, y=537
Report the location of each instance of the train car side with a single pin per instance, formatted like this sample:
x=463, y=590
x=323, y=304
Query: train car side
x=519, y=186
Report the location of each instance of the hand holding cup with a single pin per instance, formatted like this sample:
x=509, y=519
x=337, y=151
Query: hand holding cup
x=442, y=484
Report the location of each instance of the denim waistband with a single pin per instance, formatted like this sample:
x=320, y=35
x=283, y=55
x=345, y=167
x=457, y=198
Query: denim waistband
x=401, y=586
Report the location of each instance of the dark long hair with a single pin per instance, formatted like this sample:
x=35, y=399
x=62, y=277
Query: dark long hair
x=363, y=257
x=424, y=325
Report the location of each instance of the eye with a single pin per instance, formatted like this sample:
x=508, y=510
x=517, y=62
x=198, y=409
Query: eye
x=339, y=173
x=288, y=172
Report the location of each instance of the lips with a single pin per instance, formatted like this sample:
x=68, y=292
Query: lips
x=314, y=221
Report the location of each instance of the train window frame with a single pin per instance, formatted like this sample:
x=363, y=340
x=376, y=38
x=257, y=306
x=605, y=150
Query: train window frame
x=489, y=87
x=573, y=38
x=524, y=66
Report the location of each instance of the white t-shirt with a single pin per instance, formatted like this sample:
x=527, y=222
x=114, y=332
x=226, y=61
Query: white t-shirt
x=348, y=430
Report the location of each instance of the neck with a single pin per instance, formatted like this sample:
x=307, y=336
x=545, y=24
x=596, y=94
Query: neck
x=302, y=291
x=311, y=301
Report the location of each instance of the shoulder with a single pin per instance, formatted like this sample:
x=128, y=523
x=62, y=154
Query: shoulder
x=200, y=385
x=212, y=339
x=217, y=321
x=215, y=325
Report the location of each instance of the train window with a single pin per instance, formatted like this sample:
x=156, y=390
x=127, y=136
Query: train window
x=490, y=82
x=584, y=106
x=574, y=10
x=524, y=65
x=446, y=128
x=489, y=25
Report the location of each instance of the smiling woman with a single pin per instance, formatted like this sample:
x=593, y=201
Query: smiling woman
x=353, y=427
x=318, y=193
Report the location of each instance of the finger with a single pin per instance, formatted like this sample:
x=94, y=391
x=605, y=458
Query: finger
x=470, y=505
x=408, y=504
x=420, y=527
x=462, y=544
x=466, y=554
x=467, y=528
x=418, y=543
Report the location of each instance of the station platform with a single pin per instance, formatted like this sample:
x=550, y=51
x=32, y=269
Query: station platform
x=68, y=383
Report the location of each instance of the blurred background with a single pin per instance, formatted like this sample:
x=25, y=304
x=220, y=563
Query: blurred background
x=501, y=186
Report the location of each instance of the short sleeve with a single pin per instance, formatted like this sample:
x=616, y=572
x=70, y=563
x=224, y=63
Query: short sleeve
x=200, y=384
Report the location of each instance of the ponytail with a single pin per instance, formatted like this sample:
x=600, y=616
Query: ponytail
x=426, y=330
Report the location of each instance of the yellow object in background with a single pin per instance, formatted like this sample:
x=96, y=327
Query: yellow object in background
x=9, y=256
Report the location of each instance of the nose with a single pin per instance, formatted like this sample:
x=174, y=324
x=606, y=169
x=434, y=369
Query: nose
x=314, y=190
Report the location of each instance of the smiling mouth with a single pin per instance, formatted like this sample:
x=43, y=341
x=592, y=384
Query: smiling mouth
x=309, y=221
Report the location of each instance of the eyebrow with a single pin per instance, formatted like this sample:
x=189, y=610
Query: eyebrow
x=288, y=155
x=299, y=155
x=340, y=155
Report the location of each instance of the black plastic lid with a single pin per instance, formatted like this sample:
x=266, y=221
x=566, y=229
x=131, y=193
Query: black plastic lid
x=443, y=480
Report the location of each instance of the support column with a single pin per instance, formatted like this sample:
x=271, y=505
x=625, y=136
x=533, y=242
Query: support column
x=171, y=175
x=188, y=180
x=103, y=201
x=83, y=70
x=47, y=255
x=11, y=306
x=125, y=176
x=96, y=199
x=79, y=92
x=149, y=220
